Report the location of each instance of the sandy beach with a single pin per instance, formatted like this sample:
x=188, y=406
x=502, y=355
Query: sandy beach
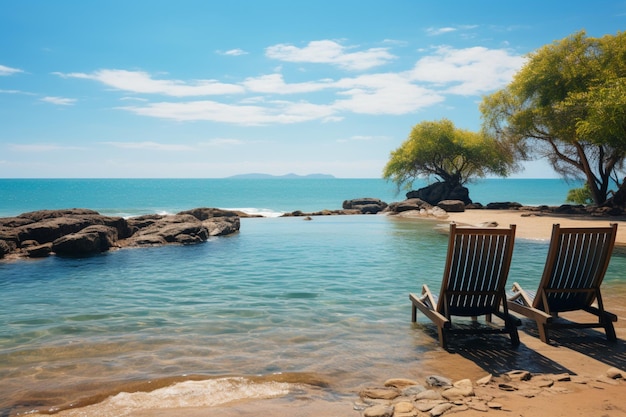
x=586, y=355
x=536, y=225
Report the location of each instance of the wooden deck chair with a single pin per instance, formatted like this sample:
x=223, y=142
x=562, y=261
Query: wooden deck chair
x=475, y=273
x=575, y=267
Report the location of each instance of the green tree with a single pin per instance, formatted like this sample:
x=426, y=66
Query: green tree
x=455, y=156
x=568, y=105
x=580, y=195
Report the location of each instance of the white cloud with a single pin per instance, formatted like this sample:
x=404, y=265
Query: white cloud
x=142, y=82
x=134, y=99
x=384, y=94
x=448, y=29
x=16, y=92
x=4, y=70
x=233, y=52
x=147, y=145
x=274, y=83
x=467, y=71
x=442, y=72
x=60, y=101
x=439, y=31
x=222, y=142
x=331, y=52
x=42, y=147
x=274, y=112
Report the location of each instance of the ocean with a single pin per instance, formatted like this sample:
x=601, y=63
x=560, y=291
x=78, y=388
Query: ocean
x=282, y=305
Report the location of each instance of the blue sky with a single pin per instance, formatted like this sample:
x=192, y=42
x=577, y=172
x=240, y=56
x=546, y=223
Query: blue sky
x=187, y=89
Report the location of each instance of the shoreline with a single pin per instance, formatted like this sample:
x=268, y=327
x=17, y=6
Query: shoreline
x=537, y=226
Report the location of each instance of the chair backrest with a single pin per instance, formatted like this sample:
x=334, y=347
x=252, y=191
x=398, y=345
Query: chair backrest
x=476, y=270
x=577, y=261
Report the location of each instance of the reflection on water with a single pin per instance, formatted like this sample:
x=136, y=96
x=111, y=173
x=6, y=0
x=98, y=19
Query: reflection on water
x=328, y=297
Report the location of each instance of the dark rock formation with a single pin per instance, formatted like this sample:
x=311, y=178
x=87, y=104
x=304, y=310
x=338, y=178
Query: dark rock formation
x=440, y=191
x=507, y=205
x=452, y=206
x=80, y=232
x=409, y=204
x=365, y=205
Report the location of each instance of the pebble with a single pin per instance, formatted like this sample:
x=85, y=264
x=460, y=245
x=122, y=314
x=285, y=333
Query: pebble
x=440, y=409
x=378, y=411
x=403, y=407
x=400, y=383
x=438, y=381
x=485, y=380
x=445, y=397
x=614, y=373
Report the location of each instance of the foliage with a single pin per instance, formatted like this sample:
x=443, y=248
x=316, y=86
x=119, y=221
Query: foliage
x=568, y=105
x=580, y=195
x=452, y=155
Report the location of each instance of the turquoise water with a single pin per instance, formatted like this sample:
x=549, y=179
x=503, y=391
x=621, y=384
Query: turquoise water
x=327, y=297
x=128, y=197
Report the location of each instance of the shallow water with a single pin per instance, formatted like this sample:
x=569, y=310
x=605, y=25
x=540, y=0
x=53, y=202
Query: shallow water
x=324, y=302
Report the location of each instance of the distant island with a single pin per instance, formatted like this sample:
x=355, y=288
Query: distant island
x=286, y=176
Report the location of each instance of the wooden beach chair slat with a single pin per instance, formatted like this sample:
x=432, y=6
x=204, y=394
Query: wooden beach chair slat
x=473, y=284
x=577, y=260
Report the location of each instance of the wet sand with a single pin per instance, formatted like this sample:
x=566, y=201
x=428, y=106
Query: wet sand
x=583, y=352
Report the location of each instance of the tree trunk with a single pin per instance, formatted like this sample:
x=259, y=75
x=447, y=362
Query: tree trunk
x=618, y=200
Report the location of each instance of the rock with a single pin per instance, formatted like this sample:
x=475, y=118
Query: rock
x=452, y=206
x=440, y=409
x=408, y=205
x=413, y=390
x=478, y=406
x=438, y=381
x=378, y=411
x=4, y=248
x=79, y=232
x=400, y=383
x=485, y=380
x=460, y=389
x=507, y=387
x=91, y=239
x=380, y=393
x=614, y=373
x=424, y=406
x=518, y=375
x=78, y=244
x=403, y=407
x=503, y=206
x=439, y=191
x=365, y=205
x=39, y=251
x=494, y=405
x=50, y=229
x=428, y=395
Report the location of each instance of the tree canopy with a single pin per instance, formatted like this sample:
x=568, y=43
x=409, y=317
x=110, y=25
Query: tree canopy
x=568, y=105
x=455, y=156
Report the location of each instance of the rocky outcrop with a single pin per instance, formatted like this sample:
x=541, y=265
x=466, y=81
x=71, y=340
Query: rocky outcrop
x=439, y=191
x=452, y=206
x=365, y=205
x=415, y=207
x=80, y=232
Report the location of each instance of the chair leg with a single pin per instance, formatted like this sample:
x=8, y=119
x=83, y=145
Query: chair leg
x=543, y=331
x=514, y=335
x=443, y=339
x=610, y=331
x=413, y=313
